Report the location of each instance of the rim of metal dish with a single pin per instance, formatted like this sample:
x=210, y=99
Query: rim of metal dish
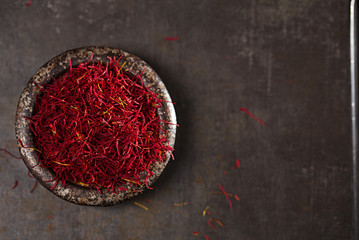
x=57, y=66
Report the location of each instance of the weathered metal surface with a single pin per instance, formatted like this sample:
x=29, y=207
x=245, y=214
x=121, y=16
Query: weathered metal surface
x=286, y=61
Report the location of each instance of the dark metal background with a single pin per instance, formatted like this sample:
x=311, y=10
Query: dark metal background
x=286, y=61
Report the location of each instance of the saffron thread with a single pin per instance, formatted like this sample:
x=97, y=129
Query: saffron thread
x=252, y=115
x=141, y=205
x=33, y=186
x=237, y=165
x=29, y=174
x=210, y=224
x=180, y=204
x=205, y=211
x=220, y=223
x=172, y=38
x=15, y=184
x=9, y=153
x=28, y=3
x=226, y=195
x=219, y=192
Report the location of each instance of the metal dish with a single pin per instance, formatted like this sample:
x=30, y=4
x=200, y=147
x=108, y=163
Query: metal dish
x=59, y=65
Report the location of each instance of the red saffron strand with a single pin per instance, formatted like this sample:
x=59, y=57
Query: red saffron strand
x=97, y=127
x=236, y=197
x=33, y=187
x=196, y=233
x=29, y=174
x=207, y=238
x=172, y=38
x=29, y=3
x=23, y=146
x=226, y=195
x=237, y=165
x=251, y=115
x=15, y=184
x=12, y=155
x=210, y=224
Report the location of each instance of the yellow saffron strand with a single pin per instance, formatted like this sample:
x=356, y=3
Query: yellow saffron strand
x=123, y=104
x=123, y=65
x=98, y=85
x=36, y=90
x=81, y=77
x=220, y=223
x=131, y=181
x=82, y=184
x=205, y=211
x=180, y=204
x=35, y=149
x=141, y=206
x=63, y=164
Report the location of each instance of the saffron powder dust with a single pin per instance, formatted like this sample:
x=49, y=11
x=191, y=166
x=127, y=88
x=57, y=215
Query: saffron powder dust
x=97, y=126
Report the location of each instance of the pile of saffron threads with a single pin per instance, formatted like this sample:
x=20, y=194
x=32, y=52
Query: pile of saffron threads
x=97, y=127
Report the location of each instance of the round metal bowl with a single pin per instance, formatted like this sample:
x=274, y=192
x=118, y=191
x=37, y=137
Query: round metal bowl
x=58, y=66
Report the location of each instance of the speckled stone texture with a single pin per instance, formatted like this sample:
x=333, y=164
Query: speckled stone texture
x=56, y=67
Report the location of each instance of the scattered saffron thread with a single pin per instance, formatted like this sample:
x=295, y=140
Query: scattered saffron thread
x=210, y=224
x=236, y=197
x=29, y=3
x=172, y=38
x=12, y=155
x=251, y=114
x=196, y=233
x=180, y=204
x=33, y=187
x=29, y=174
x=226, y=195
x=207, y=238
x=205, y=211
x=237, y=165
x=140, y=205
x=218, y=192
x=220, y=223
x=15, y=184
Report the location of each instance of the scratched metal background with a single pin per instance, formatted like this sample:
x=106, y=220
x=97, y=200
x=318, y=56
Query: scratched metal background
x=287, y=61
